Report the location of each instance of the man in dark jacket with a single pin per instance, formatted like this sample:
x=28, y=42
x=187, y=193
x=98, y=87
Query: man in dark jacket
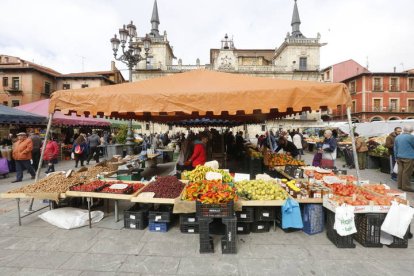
x=389, y=144
x=94, y=141
x=287, y=146
x=37, y=144
x=404, y=153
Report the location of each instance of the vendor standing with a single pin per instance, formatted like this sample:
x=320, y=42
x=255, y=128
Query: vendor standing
x=362, y=150
x=22, y=153
x=389, y=144
x=199, y=156
x=288, y=147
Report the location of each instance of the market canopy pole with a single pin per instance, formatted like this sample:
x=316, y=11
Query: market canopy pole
x=39, y=167
x=354, y=152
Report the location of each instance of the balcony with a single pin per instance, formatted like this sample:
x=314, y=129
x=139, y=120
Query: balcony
x=375, y=109
x=13, y=89
x=377, y=88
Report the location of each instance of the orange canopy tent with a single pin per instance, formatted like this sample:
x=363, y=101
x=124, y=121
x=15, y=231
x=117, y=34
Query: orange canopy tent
x=202, y=93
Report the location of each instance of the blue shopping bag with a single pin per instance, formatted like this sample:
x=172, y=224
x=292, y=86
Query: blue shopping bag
x=291, y=215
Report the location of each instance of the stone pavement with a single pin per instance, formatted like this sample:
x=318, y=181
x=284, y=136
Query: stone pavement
x=37, y=248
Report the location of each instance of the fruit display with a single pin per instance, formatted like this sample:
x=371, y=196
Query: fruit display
x=380, y=150
x=209, y=192
x=343, y=190
x=106, y=187
x=313, y=139
x=301, y=189
x=199, y=174
x=94, y=186
x=377, y=188
x=281, y=159
x=165, y=187
x=254, y=153
x=260, y=190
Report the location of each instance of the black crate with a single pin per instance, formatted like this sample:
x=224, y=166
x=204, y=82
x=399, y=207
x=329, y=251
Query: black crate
x=206, y=244
x=260, y=227
x=246, y=214
x=369, y=229
x=161, y=213
x=215, y=210
x=401, y=243
x=313, y=219
x=265, y=213
x=187, y=228
x=188, y=218
x=136, y=223
x=243, y=228
x=136, y=217
x=228, y=247
x=333, y=236
x=255, y=167
x=231, y=228
x=204, y=226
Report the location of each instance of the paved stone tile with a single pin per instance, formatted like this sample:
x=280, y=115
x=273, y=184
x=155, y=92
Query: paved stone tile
x=150, y=264
x=28, y=244
x=163, y=249
x=7, y=256
x=126, y=234
x=386, y=253
x=259, y=267
x=395, y=267
x=209, y=266
x=40, y=259
x=115, y=245
x=350, y=267
x=172, y=236
x=78, y=233
x=7, y=241
x=28, y=232
x=9, y=270
x=94, y=262
x=330, y=252
x=280, y=251
x=78, y=245
x=101, y=273
x=46, y=272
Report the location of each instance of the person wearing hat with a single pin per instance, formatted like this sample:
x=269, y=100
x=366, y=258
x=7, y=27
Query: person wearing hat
x=22, y=154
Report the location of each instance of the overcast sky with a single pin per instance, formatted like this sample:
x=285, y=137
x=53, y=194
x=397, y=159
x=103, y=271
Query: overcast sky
x=61, y=33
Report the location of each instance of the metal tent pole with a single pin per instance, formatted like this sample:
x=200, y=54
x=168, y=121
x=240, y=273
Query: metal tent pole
x=354, y=152
x=39, y=167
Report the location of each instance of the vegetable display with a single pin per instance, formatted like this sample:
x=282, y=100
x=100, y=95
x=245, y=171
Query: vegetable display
x=281, y=159
x=199, y=174
x=209, y=192
x=165, y=187
x=260, y=190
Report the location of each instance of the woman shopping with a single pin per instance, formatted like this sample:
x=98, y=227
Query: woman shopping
x=51, y=155
x=328, y=150
x=80, y=148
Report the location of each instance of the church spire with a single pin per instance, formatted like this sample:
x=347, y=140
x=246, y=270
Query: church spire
x=155, y=20
x=296, y=22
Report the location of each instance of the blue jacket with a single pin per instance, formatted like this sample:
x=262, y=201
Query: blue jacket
x=404, y=146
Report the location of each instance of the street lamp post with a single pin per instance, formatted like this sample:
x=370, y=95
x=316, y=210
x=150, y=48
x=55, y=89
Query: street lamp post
x=131, y=56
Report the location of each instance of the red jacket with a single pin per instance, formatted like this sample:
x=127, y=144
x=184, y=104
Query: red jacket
x=51, y=151
x=199, y=156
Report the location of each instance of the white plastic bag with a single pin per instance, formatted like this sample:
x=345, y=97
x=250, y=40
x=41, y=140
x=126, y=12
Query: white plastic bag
x=345, y=220
x=212, y=164
x=398, y=219
x=72, y=156
x=395, y=169
x=69, y=218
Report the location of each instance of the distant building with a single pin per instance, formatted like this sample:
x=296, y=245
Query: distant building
x=342, y=71
x=298, y=57
x=380, y=97
x=23, y=82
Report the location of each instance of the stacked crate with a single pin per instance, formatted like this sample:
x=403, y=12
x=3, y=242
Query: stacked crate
x=205, y=215
x=189, y=223
x=160, y=217
x=245, y=218
x=264, y=217
x=136, y=217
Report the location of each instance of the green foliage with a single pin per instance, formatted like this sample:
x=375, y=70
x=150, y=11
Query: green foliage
x=122, y=134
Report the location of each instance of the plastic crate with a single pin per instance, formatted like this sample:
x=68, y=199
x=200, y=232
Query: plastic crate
x=401, y=243
x=266, y=213
x=369, y=229
x=204, y=226
x=313, y=219
x=162, y=213
x=189, y=228
x=334, y=237
x=158, y=227
x=188, y=219
x=260, y=227
x=136, y=217
x=231, y=228
x=255, y=167
x=206, y=244
x=243, y=228
x=228, y=247
x=246, y=214
x=215, y=210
